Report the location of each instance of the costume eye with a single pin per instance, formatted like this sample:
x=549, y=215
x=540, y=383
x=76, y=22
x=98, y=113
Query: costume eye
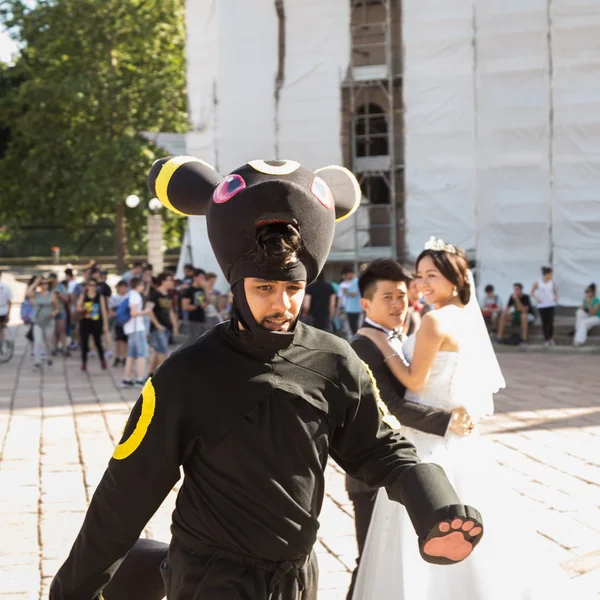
x=228, y=188
x=282, y=167
x=322, y=192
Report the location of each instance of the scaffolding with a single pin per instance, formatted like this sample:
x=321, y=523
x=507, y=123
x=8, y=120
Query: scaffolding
x=371, y=82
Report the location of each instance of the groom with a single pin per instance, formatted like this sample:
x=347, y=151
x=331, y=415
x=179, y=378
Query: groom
x=384, y=291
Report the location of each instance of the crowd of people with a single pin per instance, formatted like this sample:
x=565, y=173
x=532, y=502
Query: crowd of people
x=522, y=310
x=63, y=314
x=336, y=307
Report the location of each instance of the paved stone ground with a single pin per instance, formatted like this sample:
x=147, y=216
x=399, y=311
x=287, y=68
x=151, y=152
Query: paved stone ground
x=58, y=429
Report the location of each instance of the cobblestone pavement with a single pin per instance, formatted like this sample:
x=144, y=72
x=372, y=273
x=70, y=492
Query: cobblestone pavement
x=58, y=429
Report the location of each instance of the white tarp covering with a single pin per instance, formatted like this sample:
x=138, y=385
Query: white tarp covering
x=502, y=102
x=231, y=56
x=233, y=59
x=202, y=44
x=201, y=62
x=245, y=81
x=575, y=39
x=309, y=115
x=439, y=124
x=196, y=250
x=317, y=52
x=513, y=142
x=231, y=53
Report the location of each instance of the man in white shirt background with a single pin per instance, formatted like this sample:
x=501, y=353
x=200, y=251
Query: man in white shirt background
x=135, y=330
x=6, y=297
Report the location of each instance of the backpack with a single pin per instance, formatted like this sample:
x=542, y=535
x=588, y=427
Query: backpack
x=123, y=313
x=26, y=311
x=512, y=340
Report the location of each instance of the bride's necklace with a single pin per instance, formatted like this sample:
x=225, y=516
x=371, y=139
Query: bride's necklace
x=446, y=302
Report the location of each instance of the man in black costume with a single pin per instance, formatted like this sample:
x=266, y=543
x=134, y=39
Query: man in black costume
x=253, y=409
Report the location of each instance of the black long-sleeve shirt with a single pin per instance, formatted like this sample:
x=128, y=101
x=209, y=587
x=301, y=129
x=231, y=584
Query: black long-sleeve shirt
x=253, y=434
x=418, y=416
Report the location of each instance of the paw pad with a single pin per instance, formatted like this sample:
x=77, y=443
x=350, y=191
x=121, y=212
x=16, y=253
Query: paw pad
x=453, y=540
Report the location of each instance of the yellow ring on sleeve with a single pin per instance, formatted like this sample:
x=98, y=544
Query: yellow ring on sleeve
x=386, y=416
x=164, y=177
x=132, y=443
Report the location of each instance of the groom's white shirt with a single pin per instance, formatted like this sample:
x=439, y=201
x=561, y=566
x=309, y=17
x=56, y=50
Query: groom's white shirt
x=396, y=342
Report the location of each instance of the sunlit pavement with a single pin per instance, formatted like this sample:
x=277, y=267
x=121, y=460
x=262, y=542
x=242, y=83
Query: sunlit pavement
x=58, y=429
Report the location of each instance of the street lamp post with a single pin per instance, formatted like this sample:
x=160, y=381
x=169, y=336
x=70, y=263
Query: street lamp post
x=154, y=229
x=132, y=200
x=121, y=229
x=155, y=236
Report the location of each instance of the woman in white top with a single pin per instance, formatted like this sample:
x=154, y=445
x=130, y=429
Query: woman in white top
x=135, y=330
x=544, y=293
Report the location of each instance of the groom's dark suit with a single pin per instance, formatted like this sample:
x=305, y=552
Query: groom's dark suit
x=418, y=416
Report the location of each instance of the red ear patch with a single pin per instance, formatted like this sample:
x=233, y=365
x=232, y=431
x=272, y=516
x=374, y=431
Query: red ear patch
x=228, y=188
x=322, y=192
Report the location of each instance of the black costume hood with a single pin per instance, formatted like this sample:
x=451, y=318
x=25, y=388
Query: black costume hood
x=258, y=193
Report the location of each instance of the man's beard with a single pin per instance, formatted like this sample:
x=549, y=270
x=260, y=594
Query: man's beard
x=289, y=320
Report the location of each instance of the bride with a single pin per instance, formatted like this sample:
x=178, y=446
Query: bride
x=452, y=366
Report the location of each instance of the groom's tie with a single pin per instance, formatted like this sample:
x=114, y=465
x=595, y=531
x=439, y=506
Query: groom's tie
x=396, y=339
x=396, y=335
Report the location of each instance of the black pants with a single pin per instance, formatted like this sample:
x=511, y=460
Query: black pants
x=353, y=319
x=214, y=574
x=139, y=576
x=363, y=502
x=547, y=316
x=88, y=327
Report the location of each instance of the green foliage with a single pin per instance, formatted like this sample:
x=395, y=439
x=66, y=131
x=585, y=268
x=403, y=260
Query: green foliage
x=9, y=83
x=91, y=76
x=95, y=239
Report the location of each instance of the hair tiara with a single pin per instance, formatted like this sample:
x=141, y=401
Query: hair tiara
x=439, y=246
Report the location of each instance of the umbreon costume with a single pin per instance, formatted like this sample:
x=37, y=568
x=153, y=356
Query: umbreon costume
x=251, y=415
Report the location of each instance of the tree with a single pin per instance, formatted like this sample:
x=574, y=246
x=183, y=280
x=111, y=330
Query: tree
x=8, y=85
x=94, y=75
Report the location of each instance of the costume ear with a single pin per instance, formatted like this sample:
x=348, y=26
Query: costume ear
x=345, y=189
x=184, y=184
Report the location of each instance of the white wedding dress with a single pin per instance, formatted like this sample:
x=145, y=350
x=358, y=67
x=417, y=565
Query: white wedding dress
x=506, y=563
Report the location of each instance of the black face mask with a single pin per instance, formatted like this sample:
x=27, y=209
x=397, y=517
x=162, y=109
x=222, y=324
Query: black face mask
x=253, y=333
